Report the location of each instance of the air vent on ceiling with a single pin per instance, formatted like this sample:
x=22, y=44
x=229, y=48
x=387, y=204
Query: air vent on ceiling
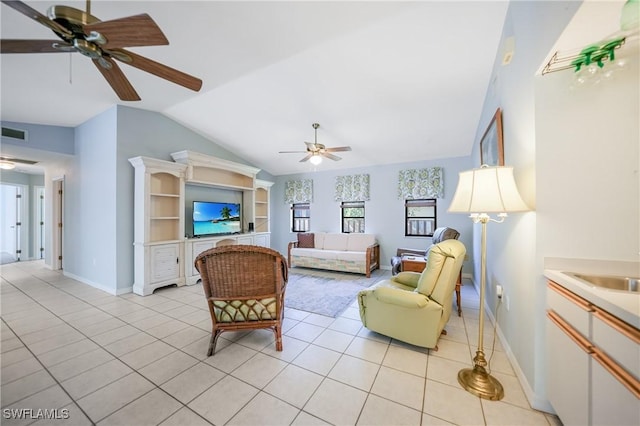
x=18, y=134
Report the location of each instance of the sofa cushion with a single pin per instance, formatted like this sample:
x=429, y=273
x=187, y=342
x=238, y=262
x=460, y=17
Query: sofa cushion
x=335, y=241
x=346, y=256
x=306, y=240
x=318, y=240
x=314, y=252
x=360, y=242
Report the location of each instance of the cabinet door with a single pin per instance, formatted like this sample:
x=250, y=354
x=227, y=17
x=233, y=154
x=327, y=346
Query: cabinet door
x=615, y=398
x=245, y=240
x=165, y=262
x=261, y=240
x=568, y=374
x=199, y=247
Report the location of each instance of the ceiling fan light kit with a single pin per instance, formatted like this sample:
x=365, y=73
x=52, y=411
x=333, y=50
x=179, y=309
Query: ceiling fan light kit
x=101, y=41
x=315, y=159
x=7, y=165
x=315, y=151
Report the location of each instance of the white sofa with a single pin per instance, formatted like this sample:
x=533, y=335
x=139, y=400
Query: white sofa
x=358, y=253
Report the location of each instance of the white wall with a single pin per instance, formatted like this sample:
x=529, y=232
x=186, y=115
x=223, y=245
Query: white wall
x=90, y=208
x=384, y=213
x=575, y=156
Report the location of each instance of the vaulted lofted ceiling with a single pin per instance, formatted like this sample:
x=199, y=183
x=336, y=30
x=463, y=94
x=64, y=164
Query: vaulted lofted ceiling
x=396, y=81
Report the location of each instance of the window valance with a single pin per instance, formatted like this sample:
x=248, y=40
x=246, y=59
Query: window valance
x=298, y=191
x=421, y=183
x=352, y=188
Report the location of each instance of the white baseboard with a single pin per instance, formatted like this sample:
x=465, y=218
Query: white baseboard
x=115, y=292
x=536, y=401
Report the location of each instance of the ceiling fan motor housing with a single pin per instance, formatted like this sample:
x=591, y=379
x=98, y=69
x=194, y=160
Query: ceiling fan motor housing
x=72, y=19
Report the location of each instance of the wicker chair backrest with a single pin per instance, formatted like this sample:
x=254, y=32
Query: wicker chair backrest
x=241, y=271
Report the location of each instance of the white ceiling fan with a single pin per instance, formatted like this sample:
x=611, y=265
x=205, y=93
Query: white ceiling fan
x=315, y=151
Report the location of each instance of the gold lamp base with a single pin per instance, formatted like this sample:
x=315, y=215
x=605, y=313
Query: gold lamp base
x=477, y=381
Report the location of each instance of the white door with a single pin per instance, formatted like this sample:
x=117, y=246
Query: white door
x=40, y=234
x=57, y=222
x=9, y=238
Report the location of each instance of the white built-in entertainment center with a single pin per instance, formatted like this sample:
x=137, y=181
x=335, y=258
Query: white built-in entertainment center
x=164, y=250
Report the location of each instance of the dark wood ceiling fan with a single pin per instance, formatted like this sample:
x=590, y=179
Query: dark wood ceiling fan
x=102, y=42
x=316, y=150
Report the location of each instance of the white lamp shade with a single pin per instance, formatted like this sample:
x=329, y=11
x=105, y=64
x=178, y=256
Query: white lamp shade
x=487, y=190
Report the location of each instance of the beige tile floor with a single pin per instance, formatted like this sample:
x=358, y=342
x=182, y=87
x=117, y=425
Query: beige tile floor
x=100, y=359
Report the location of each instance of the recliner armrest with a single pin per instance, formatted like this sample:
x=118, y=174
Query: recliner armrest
x=406, y=299
x=407, y=278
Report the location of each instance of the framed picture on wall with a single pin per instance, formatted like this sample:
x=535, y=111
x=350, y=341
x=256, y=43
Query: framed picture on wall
x=491, y=144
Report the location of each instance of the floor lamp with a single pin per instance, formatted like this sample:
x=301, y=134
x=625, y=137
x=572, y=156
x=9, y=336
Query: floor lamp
x=481, y=192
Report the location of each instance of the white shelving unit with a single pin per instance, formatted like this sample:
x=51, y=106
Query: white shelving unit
x=163, y=256
x=159, y=224
x=215, y=172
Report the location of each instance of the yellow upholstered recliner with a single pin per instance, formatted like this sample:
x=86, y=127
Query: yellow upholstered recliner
x=414, y=307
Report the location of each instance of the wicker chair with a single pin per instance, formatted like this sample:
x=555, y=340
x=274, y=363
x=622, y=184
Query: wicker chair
x=245, y=287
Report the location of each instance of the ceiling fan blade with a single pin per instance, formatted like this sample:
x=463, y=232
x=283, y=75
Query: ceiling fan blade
x=311, y=146
x=338, y=149
x=116, y=79
x=158, y=69
x=17, y=160
x=292, y=152
x=137, y=30
x=32, y=46
x=306, y=158
x=30, y=12
x=330, y=156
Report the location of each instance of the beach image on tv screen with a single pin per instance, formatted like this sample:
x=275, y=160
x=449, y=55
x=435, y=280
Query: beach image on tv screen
x=215, y=218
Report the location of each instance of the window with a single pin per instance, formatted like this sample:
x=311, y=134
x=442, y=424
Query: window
x=300, y=217
x=352, y=216
x=420, y=217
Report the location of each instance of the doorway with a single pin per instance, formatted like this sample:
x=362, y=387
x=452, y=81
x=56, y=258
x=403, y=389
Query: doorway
x=10, y=223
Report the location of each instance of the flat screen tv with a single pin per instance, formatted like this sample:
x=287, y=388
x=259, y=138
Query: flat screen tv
x=213, y=218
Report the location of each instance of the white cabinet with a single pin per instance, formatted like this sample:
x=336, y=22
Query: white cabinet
x=614, y=402
x=163, y=256
x=158, y=224
x=165, y=262
x=263, y=240
x=594, y=362
x=568, y=374
x=261, y=206
x=195, y=246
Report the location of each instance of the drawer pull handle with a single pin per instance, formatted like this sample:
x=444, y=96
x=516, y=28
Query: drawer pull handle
x=617, y=324
x=582, y=303
x=626, y=379
x=583, y=343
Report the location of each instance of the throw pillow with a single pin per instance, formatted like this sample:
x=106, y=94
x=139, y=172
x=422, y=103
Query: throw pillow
x=305, y=240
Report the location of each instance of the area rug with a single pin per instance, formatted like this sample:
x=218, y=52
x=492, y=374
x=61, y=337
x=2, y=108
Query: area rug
x=325, y=292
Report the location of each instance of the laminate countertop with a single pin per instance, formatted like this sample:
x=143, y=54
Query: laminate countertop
x=622, y=304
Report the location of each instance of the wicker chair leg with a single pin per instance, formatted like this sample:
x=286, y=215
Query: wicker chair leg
x=212, y=343
x=277, y=330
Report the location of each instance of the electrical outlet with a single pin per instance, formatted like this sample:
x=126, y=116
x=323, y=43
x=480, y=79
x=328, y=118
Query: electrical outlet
x=499, y=291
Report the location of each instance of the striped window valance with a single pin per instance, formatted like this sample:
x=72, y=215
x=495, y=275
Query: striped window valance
x=298, y=191
x=352, y=188
x=421, y=183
